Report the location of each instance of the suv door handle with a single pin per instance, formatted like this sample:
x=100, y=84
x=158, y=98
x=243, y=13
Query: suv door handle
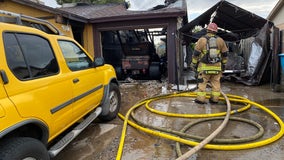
x=76, y=80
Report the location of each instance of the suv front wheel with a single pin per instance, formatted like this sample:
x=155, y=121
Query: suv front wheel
x=114, y=103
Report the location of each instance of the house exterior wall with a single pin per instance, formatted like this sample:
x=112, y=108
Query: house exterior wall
x=34, y=12
x=278, y=21
x=88, y=37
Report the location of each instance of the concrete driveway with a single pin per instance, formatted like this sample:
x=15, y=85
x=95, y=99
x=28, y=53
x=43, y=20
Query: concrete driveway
x=101, y=140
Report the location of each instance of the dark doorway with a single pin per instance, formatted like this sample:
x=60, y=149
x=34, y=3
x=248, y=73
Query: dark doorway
x=77, y=30
x=135, y=53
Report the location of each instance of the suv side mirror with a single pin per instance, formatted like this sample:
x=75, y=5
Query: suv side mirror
x=99, y=62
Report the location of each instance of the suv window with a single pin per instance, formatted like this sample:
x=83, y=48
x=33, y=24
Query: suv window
x=29, y=56
x=75, y=57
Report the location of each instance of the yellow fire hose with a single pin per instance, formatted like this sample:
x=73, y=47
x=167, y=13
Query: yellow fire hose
x=192, y=94
x=233, y=98
x=214, y=117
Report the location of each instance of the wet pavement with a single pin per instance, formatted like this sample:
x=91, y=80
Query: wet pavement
x=100, y=141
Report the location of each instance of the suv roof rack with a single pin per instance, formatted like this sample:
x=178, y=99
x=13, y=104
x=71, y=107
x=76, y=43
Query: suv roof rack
x=24, y=20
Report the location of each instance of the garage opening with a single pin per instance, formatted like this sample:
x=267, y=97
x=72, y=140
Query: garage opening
x=137, y=54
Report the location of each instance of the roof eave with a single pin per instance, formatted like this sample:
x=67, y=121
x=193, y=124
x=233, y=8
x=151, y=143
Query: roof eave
x=51, y=10
x=37, y=6
x=275, y=10
x=74, y=17
x=138, y=17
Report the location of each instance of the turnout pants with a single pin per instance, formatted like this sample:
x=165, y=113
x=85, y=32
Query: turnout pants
x=214, y=80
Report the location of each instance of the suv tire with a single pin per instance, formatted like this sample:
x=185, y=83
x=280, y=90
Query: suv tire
x=23, y=148
x=114, y=104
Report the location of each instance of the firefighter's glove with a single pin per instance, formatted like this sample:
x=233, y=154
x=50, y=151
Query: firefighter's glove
x=193, y=67
x=223, y=66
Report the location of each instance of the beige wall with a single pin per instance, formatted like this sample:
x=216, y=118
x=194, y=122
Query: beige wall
x=278, y=21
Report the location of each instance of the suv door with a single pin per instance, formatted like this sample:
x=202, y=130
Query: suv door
x=87, y=80
x=35, y=84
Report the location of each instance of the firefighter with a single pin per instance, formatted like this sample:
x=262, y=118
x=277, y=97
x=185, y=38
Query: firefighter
x=209, y=59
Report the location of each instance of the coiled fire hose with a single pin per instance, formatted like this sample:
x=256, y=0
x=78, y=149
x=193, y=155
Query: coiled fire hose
x=232, y=98
x=212, y=135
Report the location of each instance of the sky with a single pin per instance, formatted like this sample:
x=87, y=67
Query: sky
x=259, y=7
x=51, y=3
x=197, y=7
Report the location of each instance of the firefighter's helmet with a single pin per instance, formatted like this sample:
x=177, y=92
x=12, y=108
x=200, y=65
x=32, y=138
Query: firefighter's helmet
x=212, y=27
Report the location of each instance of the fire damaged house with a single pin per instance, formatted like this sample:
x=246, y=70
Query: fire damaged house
x=125, y=38
x=252, y=41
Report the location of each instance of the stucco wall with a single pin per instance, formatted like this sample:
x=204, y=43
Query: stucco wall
x=88, y=37
x=278, y=21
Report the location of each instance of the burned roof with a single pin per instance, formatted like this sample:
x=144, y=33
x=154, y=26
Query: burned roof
x=118, y=11
x=236, y=22
x=91, y=13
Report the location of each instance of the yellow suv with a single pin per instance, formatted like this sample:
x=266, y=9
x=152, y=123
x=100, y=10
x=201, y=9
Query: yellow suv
x=51, y=90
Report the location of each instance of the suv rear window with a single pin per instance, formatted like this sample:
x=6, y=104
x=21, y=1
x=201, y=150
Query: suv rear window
x=29, y=56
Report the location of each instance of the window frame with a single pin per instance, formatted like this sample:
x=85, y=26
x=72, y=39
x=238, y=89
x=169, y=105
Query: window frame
x=72, y=57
